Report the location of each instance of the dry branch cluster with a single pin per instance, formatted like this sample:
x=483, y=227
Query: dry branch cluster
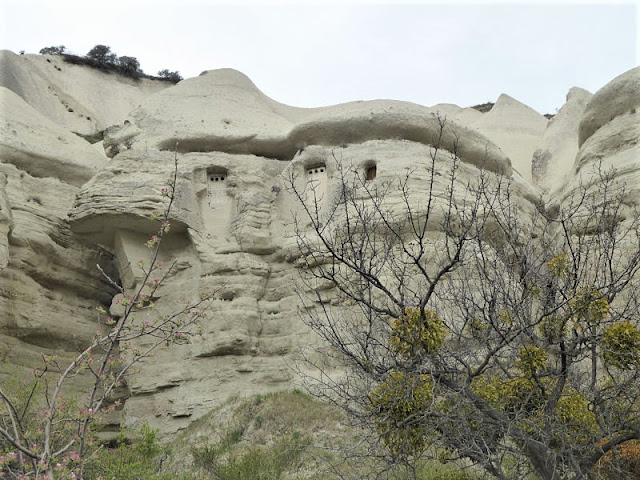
x=500, y=330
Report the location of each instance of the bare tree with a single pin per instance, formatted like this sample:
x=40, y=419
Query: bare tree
x=471, y=319
x=61, y=441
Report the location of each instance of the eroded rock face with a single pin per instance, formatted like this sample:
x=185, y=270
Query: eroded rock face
x=49, y=282
x=232, y=219
x=609, y=140
x=79, y=99
x=553, y=160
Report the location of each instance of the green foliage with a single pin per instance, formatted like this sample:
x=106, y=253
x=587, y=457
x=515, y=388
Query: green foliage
x=173, y=77
x=531, y=360
x=103, y=58
x=397, y=403
x=558, y=265
x=414, y=334
x=59, y=50
x=552, y=328
x=524, y=399
x=573, y=411
x=435, y=470
x=621, y=345
x=588, y=308
x=133, y=457
x=260, y=462
x=130, y=65
x=102, y=54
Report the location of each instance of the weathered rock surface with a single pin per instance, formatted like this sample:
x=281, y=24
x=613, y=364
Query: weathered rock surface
x=49, y=283
x=553, y=160
x=42, y=148
x=621, y=96
x=79, y=99
x=64, y=207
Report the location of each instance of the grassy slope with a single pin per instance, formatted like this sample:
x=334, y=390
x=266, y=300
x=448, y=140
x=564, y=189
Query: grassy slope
x=287, y=435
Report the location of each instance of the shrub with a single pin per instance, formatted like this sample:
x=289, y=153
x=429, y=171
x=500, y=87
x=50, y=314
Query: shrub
x=59, y=50
x=130, y=65
x=266, y=462
x=174, y=77
x=102, y=54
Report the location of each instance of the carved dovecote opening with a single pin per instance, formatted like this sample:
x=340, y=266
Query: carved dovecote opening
x=370, y=172
x=217, y=202
x=217, y=188
x=317, y=180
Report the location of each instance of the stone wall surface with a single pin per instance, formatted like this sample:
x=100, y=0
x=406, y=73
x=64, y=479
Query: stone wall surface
x=66, y=205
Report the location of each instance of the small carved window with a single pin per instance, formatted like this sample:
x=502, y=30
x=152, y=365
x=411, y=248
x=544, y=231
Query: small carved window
x=216, y=188
x=371, y=172
x=315, y=170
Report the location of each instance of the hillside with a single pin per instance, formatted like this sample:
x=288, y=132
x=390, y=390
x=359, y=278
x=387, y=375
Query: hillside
x=68, y=203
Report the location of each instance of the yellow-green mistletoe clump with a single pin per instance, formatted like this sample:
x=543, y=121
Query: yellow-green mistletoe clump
x=621, y=345
x=525, y=400
x=588, y=308
x=397, y=403
x=558, y=265
x=531, y=360
x=574, y=412
x=413, y=333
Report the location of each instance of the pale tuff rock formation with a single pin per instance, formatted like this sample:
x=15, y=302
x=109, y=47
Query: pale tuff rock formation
x=514, y=127
x=77, y=98
x=43, y=148
x=64, y=206
x=553, y=160
x=609, y=138
x=49, y=283
x=619, y=97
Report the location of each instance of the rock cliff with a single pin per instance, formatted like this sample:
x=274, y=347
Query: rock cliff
x=67, y=205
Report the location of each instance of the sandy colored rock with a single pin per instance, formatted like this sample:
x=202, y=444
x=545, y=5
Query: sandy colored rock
x=554, y=158
x=516, y=129
x=66, y=206
x=40, y=147
x=223, y=111
x=621, y=96
x=77, y=98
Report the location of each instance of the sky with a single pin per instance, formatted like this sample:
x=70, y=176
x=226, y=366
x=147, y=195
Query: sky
x=311, y=53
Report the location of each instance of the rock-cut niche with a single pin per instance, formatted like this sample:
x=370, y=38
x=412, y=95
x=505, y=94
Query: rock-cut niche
x=316, y=182
x=217, y=206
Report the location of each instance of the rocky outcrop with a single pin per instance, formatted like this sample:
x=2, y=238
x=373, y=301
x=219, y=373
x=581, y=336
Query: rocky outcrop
x=65, y=206
x=609, y=140
x=77, y=98
x=620, y=97
x=49, y=283
x=553, y=160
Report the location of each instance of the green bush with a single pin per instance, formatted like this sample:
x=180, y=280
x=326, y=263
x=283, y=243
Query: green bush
x=59, y=50
x=259, y=463
x=133, y=458
x=174, y=77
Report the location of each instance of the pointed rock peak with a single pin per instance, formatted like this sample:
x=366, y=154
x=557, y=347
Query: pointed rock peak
x=506, y=103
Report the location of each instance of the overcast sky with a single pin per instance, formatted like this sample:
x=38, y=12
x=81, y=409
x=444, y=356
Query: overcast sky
x=308, y=53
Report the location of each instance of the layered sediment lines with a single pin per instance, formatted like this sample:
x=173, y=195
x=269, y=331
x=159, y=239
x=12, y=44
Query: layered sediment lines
x=67, y=205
